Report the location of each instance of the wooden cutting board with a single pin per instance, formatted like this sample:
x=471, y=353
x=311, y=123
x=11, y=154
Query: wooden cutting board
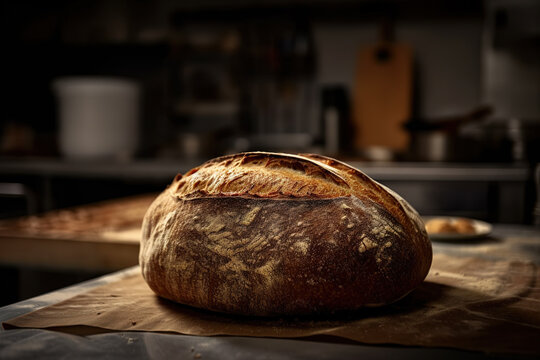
x=383, y=95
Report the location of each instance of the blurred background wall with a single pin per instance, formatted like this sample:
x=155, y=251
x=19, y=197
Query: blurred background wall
x=223, y=76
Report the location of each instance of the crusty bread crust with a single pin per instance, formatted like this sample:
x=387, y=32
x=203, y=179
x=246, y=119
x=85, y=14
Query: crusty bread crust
x=276, y=234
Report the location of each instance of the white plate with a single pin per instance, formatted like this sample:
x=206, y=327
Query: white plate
x=481, y=228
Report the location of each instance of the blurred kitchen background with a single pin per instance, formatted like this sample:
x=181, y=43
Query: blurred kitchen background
x=439, y=100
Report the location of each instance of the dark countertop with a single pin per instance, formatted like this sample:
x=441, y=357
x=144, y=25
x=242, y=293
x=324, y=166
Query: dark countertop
x=495, y=192
x=161, y=169
x=513, y=242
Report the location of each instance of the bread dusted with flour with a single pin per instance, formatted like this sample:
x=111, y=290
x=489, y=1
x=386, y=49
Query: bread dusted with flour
x=276, y=234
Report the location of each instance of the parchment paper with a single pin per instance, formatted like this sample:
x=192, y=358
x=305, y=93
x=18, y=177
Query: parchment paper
x=466, y=303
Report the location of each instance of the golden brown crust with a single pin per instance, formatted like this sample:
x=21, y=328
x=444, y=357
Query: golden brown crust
x=274, y=234
x=364, y=186
x=260, y=174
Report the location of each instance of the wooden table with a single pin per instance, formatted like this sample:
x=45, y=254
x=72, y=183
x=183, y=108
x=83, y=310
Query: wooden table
x=98, y=237
x=508, y=242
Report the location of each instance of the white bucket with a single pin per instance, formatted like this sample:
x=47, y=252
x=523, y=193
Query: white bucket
x=98, y=117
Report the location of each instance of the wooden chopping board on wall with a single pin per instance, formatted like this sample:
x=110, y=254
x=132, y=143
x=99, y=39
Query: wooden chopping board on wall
x=383, y=96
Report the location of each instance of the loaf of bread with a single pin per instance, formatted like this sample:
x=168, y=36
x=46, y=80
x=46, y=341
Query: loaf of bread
x=270, y=234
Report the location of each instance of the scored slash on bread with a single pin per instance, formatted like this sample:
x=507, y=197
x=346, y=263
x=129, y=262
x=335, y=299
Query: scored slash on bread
x=274, y=175
x=277, y=234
